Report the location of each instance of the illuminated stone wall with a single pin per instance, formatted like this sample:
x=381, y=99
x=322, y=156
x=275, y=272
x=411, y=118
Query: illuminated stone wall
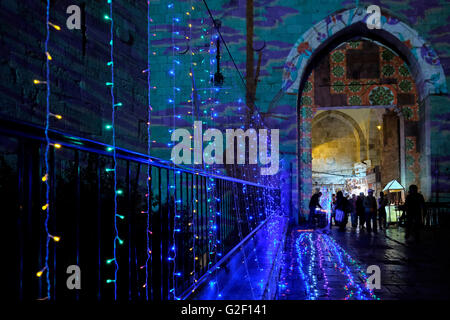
x=79, y=71
x=334, y=150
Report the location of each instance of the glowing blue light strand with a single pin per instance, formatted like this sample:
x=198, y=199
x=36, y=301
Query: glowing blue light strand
x=194, y=197
x=239, y=219
x=149, y=109
x=320, y=249
x=47, y=147
x=301, y=249
x=344, y=269
x=363, y=291
x=249, y=224
x=173, y=101
x=342, y=261
x=113, y=115
x=212, y=190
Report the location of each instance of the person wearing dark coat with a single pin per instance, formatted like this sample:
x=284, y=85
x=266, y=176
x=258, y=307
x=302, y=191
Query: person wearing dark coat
x=354, y=214
x=414, y=205
x=370, y=208
x=382, y=203
x=313, y=204
x=342, y=204
x=360, y=210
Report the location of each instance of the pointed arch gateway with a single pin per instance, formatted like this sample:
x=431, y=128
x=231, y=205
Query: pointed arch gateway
x=328, y=34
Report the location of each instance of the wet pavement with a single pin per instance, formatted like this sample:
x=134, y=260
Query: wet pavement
x=302, y=264
x=332, y=265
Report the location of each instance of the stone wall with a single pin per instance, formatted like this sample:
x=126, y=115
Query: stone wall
x=390, y=160
x=335, y=149
x=79, y=68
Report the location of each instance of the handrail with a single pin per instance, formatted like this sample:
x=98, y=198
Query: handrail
x=182, y=220
x=36, y=132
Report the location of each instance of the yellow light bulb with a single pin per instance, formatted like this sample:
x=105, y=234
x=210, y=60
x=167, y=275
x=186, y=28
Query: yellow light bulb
x=44, y=178
x=45, y=206
x=40, y=272
x=57, y=145
x=54, y=26
x=58, y=116
x=49, y=57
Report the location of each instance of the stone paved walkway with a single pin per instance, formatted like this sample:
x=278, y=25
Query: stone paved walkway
x=333, y=265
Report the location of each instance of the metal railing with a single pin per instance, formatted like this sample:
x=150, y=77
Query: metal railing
x=214, y=213
x=437, y=214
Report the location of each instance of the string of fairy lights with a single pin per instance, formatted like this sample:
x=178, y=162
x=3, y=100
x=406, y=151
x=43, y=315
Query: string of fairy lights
x=148, y=230
x=193, y=223
x=117, y=191
x=209, y=113
x=197, y=210
x=241, y=238
x=172, y=255
x=46, y=178
x=47, y=148
x=211, y=186
x=311, y=250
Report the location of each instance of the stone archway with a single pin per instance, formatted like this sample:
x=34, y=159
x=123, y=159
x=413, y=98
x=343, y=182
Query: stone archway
x=359, y=134
x=329, y=33
x=345, y=25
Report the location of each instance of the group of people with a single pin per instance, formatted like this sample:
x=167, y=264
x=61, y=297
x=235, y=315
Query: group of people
x=364, y=210
x=369, y=213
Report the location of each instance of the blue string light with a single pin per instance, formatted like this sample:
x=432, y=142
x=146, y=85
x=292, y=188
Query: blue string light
x=362, y=291
x=192, y=100
x=47, y=147
x=172, y=251
x=338, y=257
x=149, y=109
x=116, y=236
x=46, y=177
x=113, y=128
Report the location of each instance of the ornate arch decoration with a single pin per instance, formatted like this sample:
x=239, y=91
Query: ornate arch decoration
x=345, y=25
x=359, y=134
